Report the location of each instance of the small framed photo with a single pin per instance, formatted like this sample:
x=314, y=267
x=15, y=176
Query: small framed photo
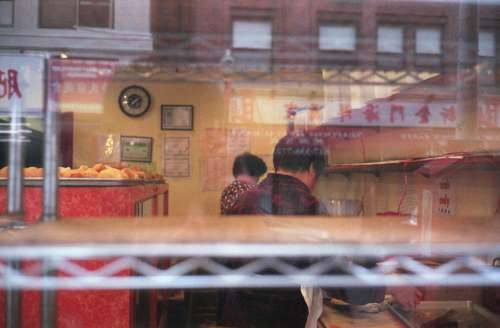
x=136, y=149
x=176, y=117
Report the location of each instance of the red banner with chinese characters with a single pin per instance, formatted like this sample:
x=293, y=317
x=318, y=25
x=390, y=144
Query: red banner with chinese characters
x=435, y=114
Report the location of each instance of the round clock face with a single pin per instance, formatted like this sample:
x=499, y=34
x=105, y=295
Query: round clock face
x=134, y=101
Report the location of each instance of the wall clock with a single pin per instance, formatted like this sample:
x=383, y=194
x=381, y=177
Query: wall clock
x=134, y=101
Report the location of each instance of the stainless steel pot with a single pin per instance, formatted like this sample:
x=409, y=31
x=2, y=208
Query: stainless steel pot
x=345, y=207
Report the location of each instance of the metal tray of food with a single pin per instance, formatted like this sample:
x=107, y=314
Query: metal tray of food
x=447, y=314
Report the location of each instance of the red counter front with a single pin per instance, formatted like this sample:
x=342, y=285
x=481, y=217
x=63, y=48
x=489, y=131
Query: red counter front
x=90, y=199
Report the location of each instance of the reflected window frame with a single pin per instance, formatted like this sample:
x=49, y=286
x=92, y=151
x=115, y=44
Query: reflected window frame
x=268, y=43
x=12, y=11
x=428, y=60
x=439, y=49
x=489, y=62
x=393, y=27
x=252, y=58
x=390, y=59
x=44, y=21
x=338, y=25
x=333, y=57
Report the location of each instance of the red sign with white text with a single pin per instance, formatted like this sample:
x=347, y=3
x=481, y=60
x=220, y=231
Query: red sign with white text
x=79, y=85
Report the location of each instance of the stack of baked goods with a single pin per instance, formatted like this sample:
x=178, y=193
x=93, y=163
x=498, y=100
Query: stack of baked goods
x=98, y=171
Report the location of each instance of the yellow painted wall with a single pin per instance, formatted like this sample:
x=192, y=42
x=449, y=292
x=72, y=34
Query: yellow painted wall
x=186, y=195
x=476, y=192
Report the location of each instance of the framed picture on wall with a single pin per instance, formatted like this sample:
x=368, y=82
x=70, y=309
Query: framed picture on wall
x=176, y=117
x=136, y=149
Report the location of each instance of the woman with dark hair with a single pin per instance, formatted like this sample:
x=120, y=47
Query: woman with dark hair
x=247, y=169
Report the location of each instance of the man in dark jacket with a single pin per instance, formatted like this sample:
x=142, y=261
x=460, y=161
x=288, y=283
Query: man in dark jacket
x=298, y=161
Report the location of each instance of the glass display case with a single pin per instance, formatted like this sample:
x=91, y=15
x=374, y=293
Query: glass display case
x=371, y=130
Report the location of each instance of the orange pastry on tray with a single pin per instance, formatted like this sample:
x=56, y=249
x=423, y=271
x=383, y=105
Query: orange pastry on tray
x=75, y=173
x=157, y=176
x=112, y=173
x=99, y=167
x=90, y=173
x=33, y=172
x=64, y=172
x=138, y=171
x=99, y=170
x=129, y=174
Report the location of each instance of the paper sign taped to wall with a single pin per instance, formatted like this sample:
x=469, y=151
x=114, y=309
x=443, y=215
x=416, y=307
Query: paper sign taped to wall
x=238, y=141
x=216, y=174
x=176, y=157
x=108, y=148
x=214, y=143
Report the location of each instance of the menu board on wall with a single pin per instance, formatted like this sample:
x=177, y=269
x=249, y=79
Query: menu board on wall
x=176, y=157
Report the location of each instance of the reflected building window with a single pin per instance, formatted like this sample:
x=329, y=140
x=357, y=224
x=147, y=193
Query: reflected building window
x=428, y=41
x=252, y=34
x=6, y=12
x=337, y=37
x=72, y=13
x=390, y=39
x=486, y=46
x=487, y=57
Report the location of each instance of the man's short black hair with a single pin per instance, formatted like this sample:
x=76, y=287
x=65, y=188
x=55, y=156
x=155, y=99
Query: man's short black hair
x=296, y=153
x=249, y=164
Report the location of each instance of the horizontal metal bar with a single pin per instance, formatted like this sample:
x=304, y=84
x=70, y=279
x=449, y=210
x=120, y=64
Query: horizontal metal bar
x=244, y=281
x=15, y=132
x=234, y=250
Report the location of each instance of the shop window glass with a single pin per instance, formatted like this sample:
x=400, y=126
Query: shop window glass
x=337, y=37
x=390, y=39
x=486, y=45
x=251, y=35
x=428, y=41
x=6, y=12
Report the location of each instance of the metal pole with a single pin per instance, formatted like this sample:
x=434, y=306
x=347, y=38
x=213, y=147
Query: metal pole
x=467, y=81
x=51, y=165
x=16, y=162
x=15, y=204
x=49, y=305
x=13, y=302
x=50, y=194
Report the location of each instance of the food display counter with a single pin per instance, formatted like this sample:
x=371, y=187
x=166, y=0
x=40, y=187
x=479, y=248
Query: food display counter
x=81, y=197
x=86, y=198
